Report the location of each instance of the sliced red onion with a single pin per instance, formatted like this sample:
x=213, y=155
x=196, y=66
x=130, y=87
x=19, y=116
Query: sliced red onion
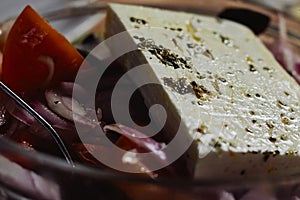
x=49, y=62
x=261, y=193
x=283, y=52
x=3, y=115
x=288, y=55
x=69, y=108
x=67, y=88
x=73, y=90
x=86, y=155
x=139, y=138
x=50, y=116
x=9, y=106
x=10, y=131
x=24, y=117
x=131, y=157
x=5, y=29
x=27, y=181
x=145, y=144
x=298, y=67
x=224, y=195
x=19, y=113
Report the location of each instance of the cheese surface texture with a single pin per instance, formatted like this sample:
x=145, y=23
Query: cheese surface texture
x=237, y=103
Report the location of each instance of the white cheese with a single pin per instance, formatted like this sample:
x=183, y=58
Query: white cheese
x=236, y=102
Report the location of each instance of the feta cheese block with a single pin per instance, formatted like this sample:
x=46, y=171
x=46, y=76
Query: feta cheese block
x=235, y=101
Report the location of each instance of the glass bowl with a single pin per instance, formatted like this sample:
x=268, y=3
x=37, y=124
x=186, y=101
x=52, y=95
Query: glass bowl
x=36, y=175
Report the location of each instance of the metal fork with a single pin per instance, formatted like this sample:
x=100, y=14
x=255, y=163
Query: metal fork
x=41, y=120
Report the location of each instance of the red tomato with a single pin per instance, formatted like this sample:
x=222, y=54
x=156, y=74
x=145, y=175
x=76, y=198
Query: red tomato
x=35, y=55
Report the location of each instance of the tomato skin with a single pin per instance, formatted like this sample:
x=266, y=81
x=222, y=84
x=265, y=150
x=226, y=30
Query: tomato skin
x=36, y=56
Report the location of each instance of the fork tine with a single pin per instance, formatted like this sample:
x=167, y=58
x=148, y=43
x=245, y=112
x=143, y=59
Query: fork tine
x=41, y=120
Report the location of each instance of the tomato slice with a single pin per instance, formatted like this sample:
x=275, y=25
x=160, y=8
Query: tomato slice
x=36, y=56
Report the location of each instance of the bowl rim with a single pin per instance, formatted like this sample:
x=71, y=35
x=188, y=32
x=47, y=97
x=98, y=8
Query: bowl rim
x=58, y=163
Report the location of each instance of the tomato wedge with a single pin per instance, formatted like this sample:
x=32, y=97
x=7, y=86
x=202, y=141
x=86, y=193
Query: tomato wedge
x=36, y=56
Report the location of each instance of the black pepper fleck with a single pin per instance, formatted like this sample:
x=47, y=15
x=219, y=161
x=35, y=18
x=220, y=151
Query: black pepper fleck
x=138, y=21
x=200, y=103
x=222, y=79
x=248, y=95
x=203, y=129
x=283, y=137
x=280, y=103
x=252, y=68
x=226, y=40
x=252, y=112
x=191, y=45
x=217, y=145
x=270, y=125
x=273, y=140
x=248, y=130
x=200, y=91
x=201, y=76
x=257, y=95
x=173, y=29
x=208, y=54
x=285, y=121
